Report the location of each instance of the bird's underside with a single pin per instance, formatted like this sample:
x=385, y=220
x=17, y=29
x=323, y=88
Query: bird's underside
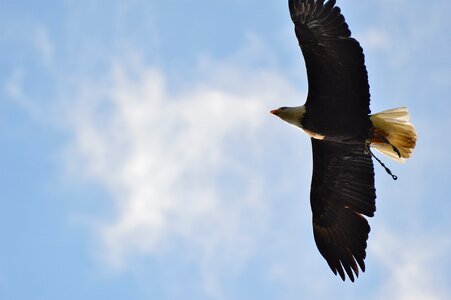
x=337, y=116
x=337, y=109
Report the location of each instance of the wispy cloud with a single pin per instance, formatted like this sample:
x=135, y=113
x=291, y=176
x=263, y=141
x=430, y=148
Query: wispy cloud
x=413, y=264
x=172, y=161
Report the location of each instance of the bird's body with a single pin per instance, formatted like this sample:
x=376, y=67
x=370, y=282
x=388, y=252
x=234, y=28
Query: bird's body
x=337, y=117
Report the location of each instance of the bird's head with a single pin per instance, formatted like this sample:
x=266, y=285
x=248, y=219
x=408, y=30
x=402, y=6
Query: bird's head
x=292, y=115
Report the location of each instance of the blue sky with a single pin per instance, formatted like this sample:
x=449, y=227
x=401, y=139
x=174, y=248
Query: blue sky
x=139, y=159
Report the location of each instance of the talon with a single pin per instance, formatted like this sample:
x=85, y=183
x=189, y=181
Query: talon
x=367, y=147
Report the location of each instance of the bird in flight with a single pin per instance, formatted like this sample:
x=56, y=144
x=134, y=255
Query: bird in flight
x=337, y=117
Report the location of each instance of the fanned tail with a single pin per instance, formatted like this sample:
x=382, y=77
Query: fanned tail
x=394, y=135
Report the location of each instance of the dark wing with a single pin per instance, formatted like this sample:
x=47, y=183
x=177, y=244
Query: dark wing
x=338, y=96
x=342, y=191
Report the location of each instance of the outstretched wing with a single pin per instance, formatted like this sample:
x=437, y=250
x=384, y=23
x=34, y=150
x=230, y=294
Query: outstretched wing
x=342, y=191
x=337, y=78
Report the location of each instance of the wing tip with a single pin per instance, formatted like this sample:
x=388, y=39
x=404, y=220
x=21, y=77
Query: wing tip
x=351, y=270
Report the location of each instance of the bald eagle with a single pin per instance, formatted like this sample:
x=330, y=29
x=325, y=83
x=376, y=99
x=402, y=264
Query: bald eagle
x=337, y=117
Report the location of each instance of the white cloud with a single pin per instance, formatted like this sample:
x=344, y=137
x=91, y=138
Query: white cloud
x=413, y=265
x=171, y=161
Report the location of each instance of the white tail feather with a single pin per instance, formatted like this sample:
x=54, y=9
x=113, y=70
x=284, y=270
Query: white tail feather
x=393, y=126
